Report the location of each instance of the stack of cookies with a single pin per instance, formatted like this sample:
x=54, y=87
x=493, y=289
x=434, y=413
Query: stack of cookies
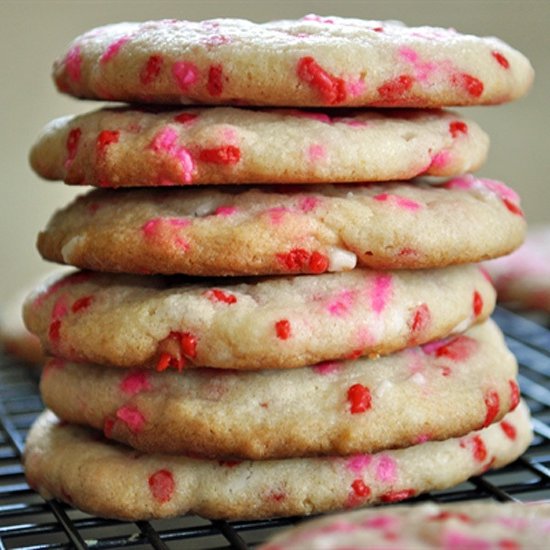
x=352, y=361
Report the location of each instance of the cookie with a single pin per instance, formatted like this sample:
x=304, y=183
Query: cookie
x=288, y=322
x=523, y=278
x=78, y=466
x=314, y=61
x=282, y=230
x=130, y=147
x=481, y=525
x=444, y=389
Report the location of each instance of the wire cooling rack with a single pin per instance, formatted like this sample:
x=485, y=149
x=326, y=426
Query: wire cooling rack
x=27, y=521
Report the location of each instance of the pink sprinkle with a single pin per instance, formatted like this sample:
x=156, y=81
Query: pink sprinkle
x=229, y=134
x=73, y=63
x=185, y=73
x=316, y=152
x=358, y=463
x=135, y=382
x=422, y=69
x=69, y=280
x=403, y=202
x=456, y=540
x=277, y=214
x=441, y=159
x=167, y=140
x=328, y=367
x=225, y=211
x=421, y=438
x=131, y=417
x=307, y=204
x=318, y=19
x=320, y=117
x=380, y=522
x=152, y=227
x=386, y=469
x=381, y=291
x=341, y=304
x=355, y=87
x=470, y=182
x=113, y=49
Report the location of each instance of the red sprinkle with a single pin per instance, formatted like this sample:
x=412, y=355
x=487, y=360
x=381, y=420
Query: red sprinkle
x=502, y=61
x=492, y=402
x=477, y=304
x=360, y=489
x=420, y=320
x=458, y=349
x=189, y=344
x=445, y=515
x=228, y=154
x=106, y=138
x=470, y=83
x=394, y=89
x=508, y=429
x=331, y=88
x=162, y=486
x=82, y=303
x=458, y=127
x=108, y=426
x=53, y=332
x=396, y=496
x=215, y=80
x=283, y=330
x=151, y=69
x=165, y=360
x=72, y=144
x=216, y=295
x=513, y=207
x=508, y=544
x=480, y=451
x=360, y=398
x=318, y=263
x=182, y=118
x=514, y=402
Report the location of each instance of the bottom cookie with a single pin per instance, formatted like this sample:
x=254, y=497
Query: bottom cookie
x=79, y=466
x=480, y=525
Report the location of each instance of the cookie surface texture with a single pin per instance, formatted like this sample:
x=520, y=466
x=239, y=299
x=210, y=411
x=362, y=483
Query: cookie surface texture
x=315, y=61
x=286, y=229
x=129, y=147
x=424, y=526
x=444, y=389
x=160, y=322
x=111, y=480
x=523, y=278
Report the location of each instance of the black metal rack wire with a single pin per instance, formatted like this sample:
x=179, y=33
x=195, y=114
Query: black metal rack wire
x=27, y=521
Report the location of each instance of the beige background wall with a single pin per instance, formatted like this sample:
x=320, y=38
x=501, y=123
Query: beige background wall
x=34, y=32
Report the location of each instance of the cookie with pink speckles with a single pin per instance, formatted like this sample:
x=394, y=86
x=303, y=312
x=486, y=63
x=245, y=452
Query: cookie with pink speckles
x=286, y=229
x=314, y=61
x=130, y=147
x=162, y=322
x=101, y=477
x=444, y=389
x=523, y=278
x=481, y=525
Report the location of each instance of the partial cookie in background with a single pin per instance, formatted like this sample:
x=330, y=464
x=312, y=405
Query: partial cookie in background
x=444, y=389
x=130, y=147
x=315, y=61
x=480, y=525
x=522, y=279
x=161, y=322
x=78, y=466
x=286, y=229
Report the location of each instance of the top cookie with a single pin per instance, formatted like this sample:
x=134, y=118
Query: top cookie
x=314, y=61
